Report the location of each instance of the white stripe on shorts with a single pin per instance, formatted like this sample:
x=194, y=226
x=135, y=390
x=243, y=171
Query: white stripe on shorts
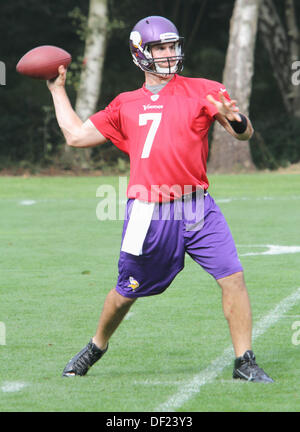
x=137, y=228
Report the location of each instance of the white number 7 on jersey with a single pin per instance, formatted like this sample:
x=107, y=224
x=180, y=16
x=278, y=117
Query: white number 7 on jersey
x=143, y=119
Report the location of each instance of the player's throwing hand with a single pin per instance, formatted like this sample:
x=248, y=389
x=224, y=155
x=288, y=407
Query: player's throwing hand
x=60, y=80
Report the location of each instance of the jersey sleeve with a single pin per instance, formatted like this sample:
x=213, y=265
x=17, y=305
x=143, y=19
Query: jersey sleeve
x=214, y=88
x=108, y=122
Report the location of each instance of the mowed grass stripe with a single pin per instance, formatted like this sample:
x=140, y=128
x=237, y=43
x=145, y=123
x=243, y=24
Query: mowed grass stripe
x=193, y=386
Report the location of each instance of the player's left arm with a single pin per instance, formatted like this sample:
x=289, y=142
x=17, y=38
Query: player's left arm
x=236, y=123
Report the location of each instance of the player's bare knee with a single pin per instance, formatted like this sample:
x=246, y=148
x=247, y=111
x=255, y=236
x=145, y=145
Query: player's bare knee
x=122, y=302
x=234, y=282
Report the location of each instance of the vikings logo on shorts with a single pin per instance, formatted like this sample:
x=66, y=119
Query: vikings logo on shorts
x=133, y=283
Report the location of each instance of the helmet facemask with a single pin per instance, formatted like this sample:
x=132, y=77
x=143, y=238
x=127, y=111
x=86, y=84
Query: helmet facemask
x=154, y=64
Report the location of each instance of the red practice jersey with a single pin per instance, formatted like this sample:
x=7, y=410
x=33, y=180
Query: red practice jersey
x=164, y=134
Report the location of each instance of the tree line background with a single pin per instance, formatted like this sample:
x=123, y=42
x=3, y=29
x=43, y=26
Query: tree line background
x=30, y=137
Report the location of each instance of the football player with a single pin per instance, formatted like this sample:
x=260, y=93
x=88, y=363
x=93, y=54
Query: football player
x=163, y=126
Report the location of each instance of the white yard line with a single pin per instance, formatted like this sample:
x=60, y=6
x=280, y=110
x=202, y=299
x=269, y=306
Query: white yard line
x=12, y=386
x=27, y=202
x=129, y=315
x=265, y=198
x=193, y=386
x=274, y=250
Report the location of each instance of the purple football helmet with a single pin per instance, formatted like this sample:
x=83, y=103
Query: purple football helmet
x=151, y=31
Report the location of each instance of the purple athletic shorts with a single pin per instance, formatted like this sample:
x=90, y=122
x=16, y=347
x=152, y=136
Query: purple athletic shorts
x=156, y=237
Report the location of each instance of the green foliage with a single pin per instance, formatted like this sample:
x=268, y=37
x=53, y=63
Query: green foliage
x=109, y=159
x=277, y=143
x=79, y=22
x=29, y=131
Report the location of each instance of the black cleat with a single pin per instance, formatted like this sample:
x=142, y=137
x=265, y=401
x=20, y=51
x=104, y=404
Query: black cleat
x=81, y=362
x=246, y=368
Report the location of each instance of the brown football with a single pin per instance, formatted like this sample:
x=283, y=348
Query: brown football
x=42, y=62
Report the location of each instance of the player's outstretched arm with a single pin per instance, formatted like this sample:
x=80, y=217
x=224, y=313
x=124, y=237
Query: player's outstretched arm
x=237, y=124
x=76, y=132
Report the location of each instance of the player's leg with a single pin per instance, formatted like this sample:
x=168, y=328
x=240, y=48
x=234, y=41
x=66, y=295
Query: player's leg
x=140, y=275
x=214, y=249
x=114, y=310
x=237, y=311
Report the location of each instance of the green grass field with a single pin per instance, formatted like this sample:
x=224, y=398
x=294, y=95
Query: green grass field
x=58, y=261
